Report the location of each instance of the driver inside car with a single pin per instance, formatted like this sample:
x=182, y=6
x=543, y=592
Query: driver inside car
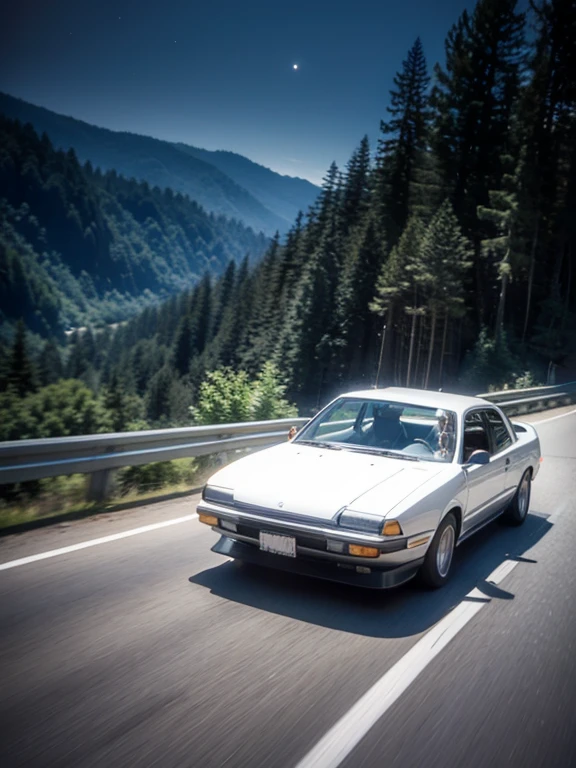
x=387, y=429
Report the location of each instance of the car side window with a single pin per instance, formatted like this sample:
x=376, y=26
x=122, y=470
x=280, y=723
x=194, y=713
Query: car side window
x=475, y=434
x=500, y=434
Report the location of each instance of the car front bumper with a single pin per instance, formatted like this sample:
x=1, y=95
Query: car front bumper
x=395, y=564
x=343, y=573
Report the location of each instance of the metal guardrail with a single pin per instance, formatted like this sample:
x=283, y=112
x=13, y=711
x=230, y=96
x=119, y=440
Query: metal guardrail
x=99, y=455
x=518, y=401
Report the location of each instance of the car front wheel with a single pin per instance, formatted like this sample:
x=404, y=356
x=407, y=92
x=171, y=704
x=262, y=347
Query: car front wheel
x=436, y=568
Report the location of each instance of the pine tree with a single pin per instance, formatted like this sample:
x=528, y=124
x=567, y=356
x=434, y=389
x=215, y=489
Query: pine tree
x=323, y=216
x=503, y=248
x=548, y=171
x=398, y=294
x=265, y=296
x=223, y=296
x=21, y=373
x=201, y=314
x=357, y=181
x=404, y=139
x=50, y=369
x=474, y=100
x=355, y=321
x=184, y=348
x=445, y=258
x=293, y=259
x=77, y=363
x=158, y=394
x=238, y=320
x=116, y=402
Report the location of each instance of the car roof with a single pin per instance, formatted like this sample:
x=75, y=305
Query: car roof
x=421, y=397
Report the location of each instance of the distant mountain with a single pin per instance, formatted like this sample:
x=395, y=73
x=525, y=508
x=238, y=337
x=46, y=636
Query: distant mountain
x=78, y=246
x=284, y=195
x=221, y=182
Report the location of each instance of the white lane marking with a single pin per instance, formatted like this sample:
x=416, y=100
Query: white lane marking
x=95, y=542
x=553, y=418
x=502, y=571
x=341, y=739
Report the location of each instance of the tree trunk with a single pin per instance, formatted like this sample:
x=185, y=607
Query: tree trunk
x=398, y=345
x=396, y=351
x=431, y=349
x=382, y=343
x=501, y=303
x=389, y=346
x=555, y=289
x=418, y=349
x=568, y=287
x=443, y=352
x=479, y=292
x=411, y=350
x=530, y=279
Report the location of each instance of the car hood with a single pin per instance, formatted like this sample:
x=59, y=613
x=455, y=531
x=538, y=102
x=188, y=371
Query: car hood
x=319, y=482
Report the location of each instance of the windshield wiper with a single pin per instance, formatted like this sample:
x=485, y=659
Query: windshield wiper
x=382, y=452
x=320, y=444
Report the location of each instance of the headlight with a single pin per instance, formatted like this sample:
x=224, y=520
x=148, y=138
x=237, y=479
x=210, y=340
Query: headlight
x=361, y=522
x=218, y=495
x=392, y=528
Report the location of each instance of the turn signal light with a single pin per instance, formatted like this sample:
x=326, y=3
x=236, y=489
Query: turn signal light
x=417, y=541
x=356, y=549
x=208, y=519
x=392, y=528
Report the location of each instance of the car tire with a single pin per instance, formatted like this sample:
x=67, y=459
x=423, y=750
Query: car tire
x=435, y=570
x=517, y=511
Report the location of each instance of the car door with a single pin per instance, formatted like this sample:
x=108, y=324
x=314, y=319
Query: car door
x=485, y=481
x=503, y=442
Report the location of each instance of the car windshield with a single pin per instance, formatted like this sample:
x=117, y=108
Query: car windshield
x=381, y=426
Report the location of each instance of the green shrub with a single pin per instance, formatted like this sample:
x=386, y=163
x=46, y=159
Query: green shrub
x=228, y=396
x=152, y=477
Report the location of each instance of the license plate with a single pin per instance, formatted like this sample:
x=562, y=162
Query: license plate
x=278, y=544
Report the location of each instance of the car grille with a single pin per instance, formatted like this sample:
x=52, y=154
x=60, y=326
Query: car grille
x=282, y=516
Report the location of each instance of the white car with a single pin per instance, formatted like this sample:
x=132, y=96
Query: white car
x=377, y=487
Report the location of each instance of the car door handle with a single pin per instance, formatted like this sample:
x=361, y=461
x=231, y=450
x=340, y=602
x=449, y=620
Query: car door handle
x=507, y=465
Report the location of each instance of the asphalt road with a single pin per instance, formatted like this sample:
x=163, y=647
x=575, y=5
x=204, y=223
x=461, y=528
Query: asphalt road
x=150, y=650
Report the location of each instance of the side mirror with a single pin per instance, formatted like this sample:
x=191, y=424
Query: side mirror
x=479, y=457
x=292, y=433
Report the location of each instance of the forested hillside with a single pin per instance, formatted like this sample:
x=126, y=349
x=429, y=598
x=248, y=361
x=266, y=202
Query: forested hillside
x=78, y=246
x=221, y=182
x=284, y=195
x=442, y=257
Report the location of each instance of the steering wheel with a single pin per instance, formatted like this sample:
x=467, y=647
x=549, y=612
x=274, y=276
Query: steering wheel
x=423, y=442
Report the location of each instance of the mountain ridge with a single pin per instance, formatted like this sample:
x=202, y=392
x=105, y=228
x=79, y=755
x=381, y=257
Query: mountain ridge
x=78, y=246
x=195, y=172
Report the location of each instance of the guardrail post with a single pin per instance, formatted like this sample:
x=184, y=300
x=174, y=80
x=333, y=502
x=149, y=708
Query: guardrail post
x=100, y=485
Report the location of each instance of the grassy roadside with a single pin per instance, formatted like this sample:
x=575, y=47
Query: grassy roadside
x=29, y=516
x=59, y=499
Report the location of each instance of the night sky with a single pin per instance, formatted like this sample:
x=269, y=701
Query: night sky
x=220, y=75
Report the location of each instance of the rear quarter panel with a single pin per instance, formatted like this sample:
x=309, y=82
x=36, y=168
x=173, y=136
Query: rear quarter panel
x=527, y=447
